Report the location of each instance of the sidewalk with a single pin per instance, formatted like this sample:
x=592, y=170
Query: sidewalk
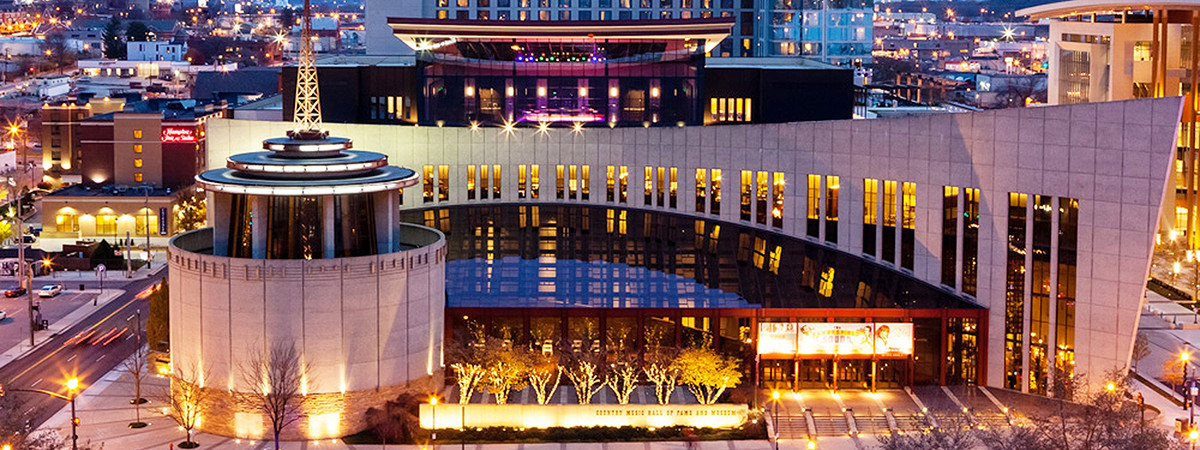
x=114, y=274
x=58, y=326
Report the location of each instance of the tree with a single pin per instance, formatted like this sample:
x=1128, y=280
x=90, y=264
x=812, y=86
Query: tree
x=56, y=50
x=1141, y=349
x=468, y=376
x=287, y=18
x=187, y=400
x=1172, y=372
x=665, y=377
x=953, y=435
x=622, y=379
x=506, y=370
x=137, y=32
x=135, y=367
x=114, y=46
x=16, y=431
x=706, y=373
x=544, y=374
x=585, y=375
x=191, y=212
x=396, y=422
x=274, y=380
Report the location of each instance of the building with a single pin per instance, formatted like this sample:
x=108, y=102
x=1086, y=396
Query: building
x=158, y=143
x=154, y=51
x=112, y=213
x=179, y=70
x=1103, y=51
x=1042, y=216
x=50, y=86
x=567, y=72
x=832, y=31
x=60, y=129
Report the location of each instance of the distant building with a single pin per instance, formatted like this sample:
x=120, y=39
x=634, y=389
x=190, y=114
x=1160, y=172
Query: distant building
x=111, y=213
x=49, y=86
x=160, y=143
x=60, y=130
x=154, y=51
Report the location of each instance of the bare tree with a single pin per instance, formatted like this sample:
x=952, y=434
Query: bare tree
x=622, y=378
x=665, y=377
x=1141, y=349
x=275, y=384
x=586, y=377
x=187, y=399
x=544, y=375
x=469, y=376
x=135, y=367
x=506, y=370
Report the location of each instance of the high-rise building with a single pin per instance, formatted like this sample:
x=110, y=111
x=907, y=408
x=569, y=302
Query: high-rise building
x=834, y=31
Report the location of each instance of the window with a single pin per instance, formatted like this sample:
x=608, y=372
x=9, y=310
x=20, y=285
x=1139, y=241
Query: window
x=949, y=236
x=1075, y=76
x=870, y=214
x=483, y=181
x=908, y=225
x=585, y=182
x=572, y=183
x=1014, y=298
x=558, y=185
x=747, y=194
x=761, y=196
x=1039, y=299
x=428, y=183
x=714, y=197
x=137, y=162
x=777, y=207
x=521, y=184
x=659, y=186
x=495, y=181
x=673, y=187
x=145, y=216
x=1068, y=243
x=729, y=109
x=137, y=134
x=649, y=186
x=137, y=177
x=832, y=185
x=701, y=189
x=813, y=212
x=106, y=224
x=610, y=178
x=66, y=223
x=137, y=148
x=970, y=252
x=535, y=186
x=624, y=183
x=443, y=183
x=471, y=182
x=889, y=221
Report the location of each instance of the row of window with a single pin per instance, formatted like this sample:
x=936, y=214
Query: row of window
x=899, y=201
x=730, y=109
x=106, y=224
x=966, y=226
x=585, y=4
x=505, y=14
x=1031, y=276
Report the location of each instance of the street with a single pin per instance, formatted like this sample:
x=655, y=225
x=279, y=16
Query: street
x=86, y=350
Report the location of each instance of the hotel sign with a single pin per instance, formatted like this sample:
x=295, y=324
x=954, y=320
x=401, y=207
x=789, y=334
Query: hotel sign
x=178, y=134
x=881, y=339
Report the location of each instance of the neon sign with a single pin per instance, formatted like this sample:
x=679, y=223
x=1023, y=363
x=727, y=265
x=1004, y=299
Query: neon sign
x=178, y=134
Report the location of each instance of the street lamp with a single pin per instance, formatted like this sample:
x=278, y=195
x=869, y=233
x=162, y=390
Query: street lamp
x=433, y=401
x=1193, y=435
x=1183, y=357
x=72, y=388
x=1111, y=387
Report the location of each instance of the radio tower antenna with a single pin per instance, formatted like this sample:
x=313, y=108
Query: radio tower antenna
x=306, y=117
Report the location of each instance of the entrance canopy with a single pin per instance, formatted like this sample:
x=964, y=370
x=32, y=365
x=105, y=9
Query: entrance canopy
x=508, y=38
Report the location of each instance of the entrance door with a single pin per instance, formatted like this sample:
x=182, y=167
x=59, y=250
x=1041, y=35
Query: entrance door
x=854, y=374
x=892, y=373
x=816, y=373
x=777, y=374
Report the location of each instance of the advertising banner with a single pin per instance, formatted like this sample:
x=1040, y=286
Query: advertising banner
x=777, y=338
x=890, y=339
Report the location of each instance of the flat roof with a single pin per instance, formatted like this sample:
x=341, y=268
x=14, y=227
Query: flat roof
x=412, y=30
x=1077, y=7
x=79, y=190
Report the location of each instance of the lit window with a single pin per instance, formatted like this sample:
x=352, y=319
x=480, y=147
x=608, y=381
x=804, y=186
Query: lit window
x=471, y=182
x=521, y=181
x=137, y=162
x=137, y=177
x=715, y=191
x=67, y=223
x=443, y=183
x=428, y=183
x=106, y=224
x=137, y=134
x=137, y=148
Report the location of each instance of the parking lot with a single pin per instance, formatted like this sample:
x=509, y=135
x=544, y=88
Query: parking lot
x=14, y=329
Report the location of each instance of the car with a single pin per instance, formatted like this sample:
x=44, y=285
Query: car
x=50, y=290
x=3, y=316
x=14, y=292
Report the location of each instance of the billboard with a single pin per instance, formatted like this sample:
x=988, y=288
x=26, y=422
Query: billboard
x=883, y=339
x=178, y=134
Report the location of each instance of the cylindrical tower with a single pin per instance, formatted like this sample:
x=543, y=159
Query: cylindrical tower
x=306, y=249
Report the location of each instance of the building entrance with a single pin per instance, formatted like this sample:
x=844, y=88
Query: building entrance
x=831, y=374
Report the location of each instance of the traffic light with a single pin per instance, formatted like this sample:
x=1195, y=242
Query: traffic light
x=75, y=421
x=1, y=390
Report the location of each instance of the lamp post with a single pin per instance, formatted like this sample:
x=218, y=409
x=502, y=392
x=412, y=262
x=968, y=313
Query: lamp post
x=1192, y=436
x=1187, y=394
x=72, y=388
x=433, y=419
x=775, y=415
x=14, y=132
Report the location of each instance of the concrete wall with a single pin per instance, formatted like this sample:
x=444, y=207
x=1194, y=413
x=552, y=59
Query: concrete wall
x=1113, y=157
x=364, y=324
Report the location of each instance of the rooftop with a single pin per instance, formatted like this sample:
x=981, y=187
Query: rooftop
x=79, y=190
x=1077, y=7
x=429, y=34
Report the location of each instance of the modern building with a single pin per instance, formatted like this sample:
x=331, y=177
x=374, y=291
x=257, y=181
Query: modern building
x=154, y=51
x=111, y=213
x=153, y=142
x=590, y=73
x=832, y=31
x=1103, y=51
x=1012, y=243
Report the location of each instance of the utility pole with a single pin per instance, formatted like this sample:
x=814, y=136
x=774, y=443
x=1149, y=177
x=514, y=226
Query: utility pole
x=147, y=209
x=14, y=132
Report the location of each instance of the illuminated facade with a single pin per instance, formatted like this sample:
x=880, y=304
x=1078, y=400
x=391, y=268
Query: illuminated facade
x=946, y=200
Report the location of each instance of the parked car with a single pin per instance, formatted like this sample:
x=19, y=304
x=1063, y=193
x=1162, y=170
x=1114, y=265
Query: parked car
x=50, y=290
x=3, y=315
x=14, y=292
